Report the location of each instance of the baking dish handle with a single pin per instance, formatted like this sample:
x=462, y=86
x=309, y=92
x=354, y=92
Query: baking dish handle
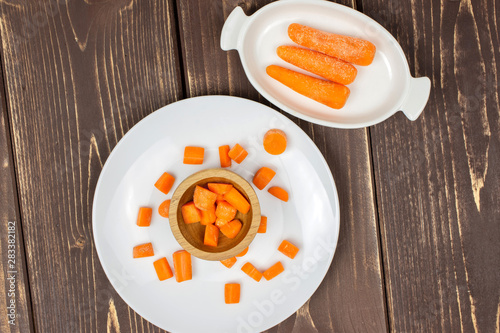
x=232, y=28
x=417, y=97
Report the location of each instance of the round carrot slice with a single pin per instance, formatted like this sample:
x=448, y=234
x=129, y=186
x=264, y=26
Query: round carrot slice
x=275, y=141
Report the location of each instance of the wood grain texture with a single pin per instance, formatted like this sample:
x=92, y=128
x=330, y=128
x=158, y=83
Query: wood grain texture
x=16, y=316
x=351, y=298
x=437, y=178
x=79, y=74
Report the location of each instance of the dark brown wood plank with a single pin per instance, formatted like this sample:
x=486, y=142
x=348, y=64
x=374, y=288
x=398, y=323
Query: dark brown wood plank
x=15, y=312
x=353, y=288
x=437, y=178
x=79, y=74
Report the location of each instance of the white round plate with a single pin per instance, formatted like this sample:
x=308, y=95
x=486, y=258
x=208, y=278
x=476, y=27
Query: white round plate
x=380, y=89
x=310, y=219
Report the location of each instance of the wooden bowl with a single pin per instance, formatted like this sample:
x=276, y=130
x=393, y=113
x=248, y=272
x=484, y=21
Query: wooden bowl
x=191, y=236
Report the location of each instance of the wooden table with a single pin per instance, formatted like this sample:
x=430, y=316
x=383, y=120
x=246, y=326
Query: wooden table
x=419, y=246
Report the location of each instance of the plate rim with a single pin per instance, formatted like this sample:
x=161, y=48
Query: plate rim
x=336, y=202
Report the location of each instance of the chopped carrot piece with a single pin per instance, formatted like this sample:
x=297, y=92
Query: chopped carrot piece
x=237, y=200
x=263, y=177
x=330, y=68
x=251, y=271
x=279, y=193
x=225, y=160
x=225, y=211
x=231, y=229
x=194, y=155
x=229, y=262
x=219, y=188
x=275, y=141
x=221, y=222
x=232, y=293
x=211, y=235
x=243, y=252
x=182, y=266
x=164, y=208
x=165, y=182
x=273, y=271
x=325, y=92
x=144, y=217
x=354, y=50
x=203, y=199
x=237, y=153
x=208, y=216
x=143, y=250
x=190, y=214
x=163, y=269
x=263, y=225
x=288, y=249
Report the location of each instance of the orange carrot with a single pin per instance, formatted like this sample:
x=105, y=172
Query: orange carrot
x=243, y=252
x=329, y=93
x=273, y=271
x=263, y=177
x=182, y=266
x=232, y=293
x=229, y=262
x=355, y=50
x=279, y=193
x=219, y=188
x=231, y=229
x=221, y=222
x=190, y=214
x=165, y=182
x=251, y=271
x=225, y=160
x=225, y=211
x=330, y=68
x=143, y=250
x=208, y=216
x=163, y=269
x=164, y=208
x=237, y=200
x=203, y=199
x=237, y=153
x=193, y=155
x=275, y=141
x=263, y=225
x=211, y=235
x=144, y=216
x=288, y=249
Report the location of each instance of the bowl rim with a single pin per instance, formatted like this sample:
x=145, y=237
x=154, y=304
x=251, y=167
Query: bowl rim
x=174, y=221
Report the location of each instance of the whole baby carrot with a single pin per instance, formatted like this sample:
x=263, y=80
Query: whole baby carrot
x=355, y=50
x=329, y=93
x=330, y=68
